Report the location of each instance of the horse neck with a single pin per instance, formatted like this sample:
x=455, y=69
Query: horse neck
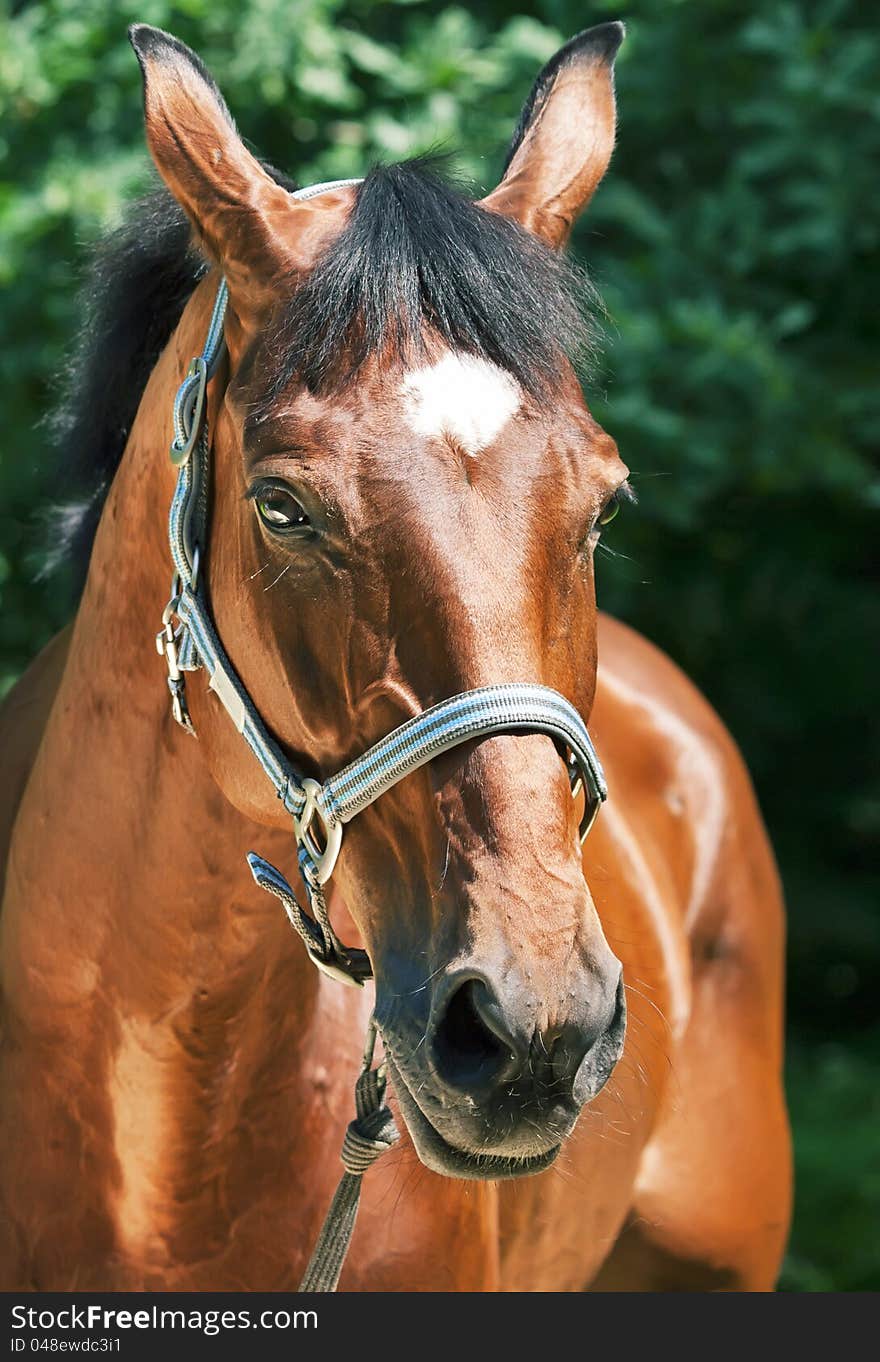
x=127, y=859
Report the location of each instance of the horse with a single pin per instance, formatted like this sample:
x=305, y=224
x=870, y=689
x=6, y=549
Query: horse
x=583, y=1043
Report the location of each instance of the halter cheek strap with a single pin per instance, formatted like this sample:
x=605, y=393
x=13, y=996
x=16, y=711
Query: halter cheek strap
x=188, y=640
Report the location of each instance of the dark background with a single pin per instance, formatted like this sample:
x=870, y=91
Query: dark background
x=735, y=244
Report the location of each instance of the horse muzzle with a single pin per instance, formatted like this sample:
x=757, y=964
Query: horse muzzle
x=490, y=1092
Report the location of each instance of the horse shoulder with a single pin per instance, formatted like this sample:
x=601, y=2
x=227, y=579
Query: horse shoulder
x=711, y=1200
x=686, y=793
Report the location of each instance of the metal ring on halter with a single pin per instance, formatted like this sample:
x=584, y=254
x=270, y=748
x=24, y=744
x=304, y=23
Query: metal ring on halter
x=334, y=971
x=592, y=802
x=591, y=813
x=321, y=859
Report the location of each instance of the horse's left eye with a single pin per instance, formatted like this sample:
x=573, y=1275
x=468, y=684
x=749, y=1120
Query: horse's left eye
x=280, y=511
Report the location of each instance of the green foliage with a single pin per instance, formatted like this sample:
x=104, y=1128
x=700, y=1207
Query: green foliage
x=834, y=1094
x=735, y=243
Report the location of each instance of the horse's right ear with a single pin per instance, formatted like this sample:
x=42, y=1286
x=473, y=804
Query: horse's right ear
x=248, y=225
x=564, y=139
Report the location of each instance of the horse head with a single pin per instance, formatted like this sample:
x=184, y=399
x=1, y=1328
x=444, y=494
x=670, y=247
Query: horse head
x=407, y=494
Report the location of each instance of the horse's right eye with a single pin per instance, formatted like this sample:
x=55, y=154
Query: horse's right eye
x=610, y=512
x=280, y=511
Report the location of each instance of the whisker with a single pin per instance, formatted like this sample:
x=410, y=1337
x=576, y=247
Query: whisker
x=278, y=578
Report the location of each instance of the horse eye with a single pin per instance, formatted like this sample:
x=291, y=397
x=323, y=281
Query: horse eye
x=610, y=512
x=280, y=511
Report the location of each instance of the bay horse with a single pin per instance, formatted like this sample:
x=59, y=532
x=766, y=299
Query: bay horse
x=406, y=497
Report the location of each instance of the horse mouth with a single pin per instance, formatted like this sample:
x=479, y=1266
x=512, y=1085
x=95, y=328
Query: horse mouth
x=437, y=1154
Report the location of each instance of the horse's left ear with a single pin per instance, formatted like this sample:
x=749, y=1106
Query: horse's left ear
x=564, y=139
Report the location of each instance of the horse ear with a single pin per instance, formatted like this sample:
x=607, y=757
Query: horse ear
x=564, y=138
x=248, y=225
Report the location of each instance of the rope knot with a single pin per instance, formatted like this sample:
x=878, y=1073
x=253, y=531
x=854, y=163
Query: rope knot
x=369, y=1135
x=373, y=1130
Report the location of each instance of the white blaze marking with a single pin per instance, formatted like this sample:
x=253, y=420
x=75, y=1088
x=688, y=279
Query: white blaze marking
x=467, y=399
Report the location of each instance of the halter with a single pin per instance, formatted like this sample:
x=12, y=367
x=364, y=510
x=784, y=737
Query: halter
x=188, y=640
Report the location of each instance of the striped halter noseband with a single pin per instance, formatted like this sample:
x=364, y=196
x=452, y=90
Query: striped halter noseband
x=188, y=640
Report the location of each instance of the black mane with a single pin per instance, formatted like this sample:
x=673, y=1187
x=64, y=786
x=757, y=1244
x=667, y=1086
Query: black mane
x=416, y=253
x=138, y=282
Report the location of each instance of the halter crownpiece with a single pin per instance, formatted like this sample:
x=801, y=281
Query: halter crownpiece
x=188, y=640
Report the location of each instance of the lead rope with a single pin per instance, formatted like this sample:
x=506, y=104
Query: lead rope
x=369, y=1135
x=346, y=963
x=373, y=1130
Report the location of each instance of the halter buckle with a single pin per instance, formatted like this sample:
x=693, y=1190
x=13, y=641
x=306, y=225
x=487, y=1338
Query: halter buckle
x=166, y=646
x=318, y=861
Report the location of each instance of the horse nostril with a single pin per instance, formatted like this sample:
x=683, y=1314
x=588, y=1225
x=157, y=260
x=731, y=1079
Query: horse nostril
x=472, y=1049
x=618, y=1021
